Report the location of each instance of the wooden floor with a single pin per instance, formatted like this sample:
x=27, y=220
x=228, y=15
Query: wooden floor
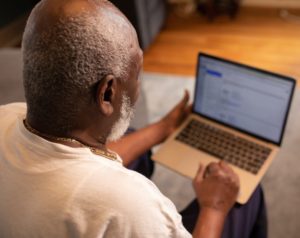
x=258, y=37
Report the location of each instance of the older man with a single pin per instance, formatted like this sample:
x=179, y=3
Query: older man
x=57, y=176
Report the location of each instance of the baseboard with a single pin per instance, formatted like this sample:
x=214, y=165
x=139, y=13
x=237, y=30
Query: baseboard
x=272, y=3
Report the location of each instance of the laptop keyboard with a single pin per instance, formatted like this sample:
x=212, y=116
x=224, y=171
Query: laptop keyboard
x=238, y=151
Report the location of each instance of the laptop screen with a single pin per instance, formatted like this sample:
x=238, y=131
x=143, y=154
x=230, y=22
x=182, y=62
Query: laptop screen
x=245, y=98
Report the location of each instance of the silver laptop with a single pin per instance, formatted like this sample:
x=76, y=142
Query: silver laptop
x=239, y=115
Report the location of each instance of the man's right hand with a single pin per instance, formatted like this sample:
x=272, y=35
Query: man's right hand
x=216, y=187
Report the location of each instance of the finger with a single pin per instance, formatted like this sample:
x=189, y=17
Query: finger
x=185, y=98
x=224, y=165
x=186, y=94
x=182, y=106
x=200, y=173
x=189, y=108
x=211, y=169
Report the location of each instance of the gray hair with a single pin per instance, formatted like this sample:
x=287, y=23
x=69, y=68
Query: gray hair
x=64, y=62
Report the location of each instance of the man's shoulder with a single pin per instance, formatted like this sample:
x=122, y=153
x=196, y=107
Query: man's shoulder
x=10, y=113
x=13, y=108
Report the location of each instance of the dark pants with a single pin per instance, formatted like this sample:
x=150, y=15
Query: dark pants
x=243, y=221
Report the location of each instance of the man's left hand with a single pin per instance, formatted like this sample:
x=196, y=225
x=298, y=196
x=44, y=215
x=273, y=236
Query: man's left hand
x=176, y=116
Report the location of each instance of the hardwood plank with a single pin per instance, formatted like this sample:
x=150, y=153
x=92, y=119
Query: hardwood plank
x=258, y=37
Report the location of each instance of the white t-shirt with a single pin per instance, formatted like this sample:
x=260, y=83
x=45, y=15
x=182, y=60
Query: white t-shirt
x=51, y=190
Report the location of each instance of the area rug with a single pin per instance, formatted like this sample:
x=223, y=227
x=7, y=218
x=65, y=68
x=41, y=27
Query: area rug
x=281, y=183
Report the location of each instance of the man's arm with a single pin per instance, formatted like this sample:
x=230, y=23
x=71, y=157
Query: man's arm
x=131, y=146
x=210, y=224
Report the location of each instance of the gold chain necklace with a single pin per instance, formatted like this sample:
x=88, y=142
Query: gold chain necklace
x=106, y=154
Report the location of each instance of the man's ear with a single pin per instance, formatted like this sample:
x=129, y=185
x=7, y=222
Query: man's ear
x=106, y=93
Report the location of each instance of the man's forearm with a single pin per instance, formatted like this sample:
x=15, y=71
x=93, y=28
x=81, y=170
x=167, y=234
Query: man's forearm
x=210, y=224
x=131, y=146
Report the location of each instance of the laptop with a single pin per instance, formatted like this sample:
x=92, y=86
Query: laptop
x=239, y=115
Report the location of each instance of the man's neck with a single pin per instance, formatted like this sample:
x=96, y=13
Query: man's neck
x=75, y=138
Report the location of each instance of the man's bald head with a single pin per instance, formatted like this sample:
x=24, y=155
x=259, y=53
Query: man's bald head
x=68, y=47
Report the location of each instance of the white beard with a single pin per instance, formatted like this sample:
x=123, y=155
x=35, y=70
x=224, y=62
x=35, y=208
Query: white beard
x=122, y=124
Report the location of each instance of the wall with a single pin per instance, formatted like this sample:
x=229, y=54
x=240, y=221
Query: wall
x=272, y=3
x=10, y=10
